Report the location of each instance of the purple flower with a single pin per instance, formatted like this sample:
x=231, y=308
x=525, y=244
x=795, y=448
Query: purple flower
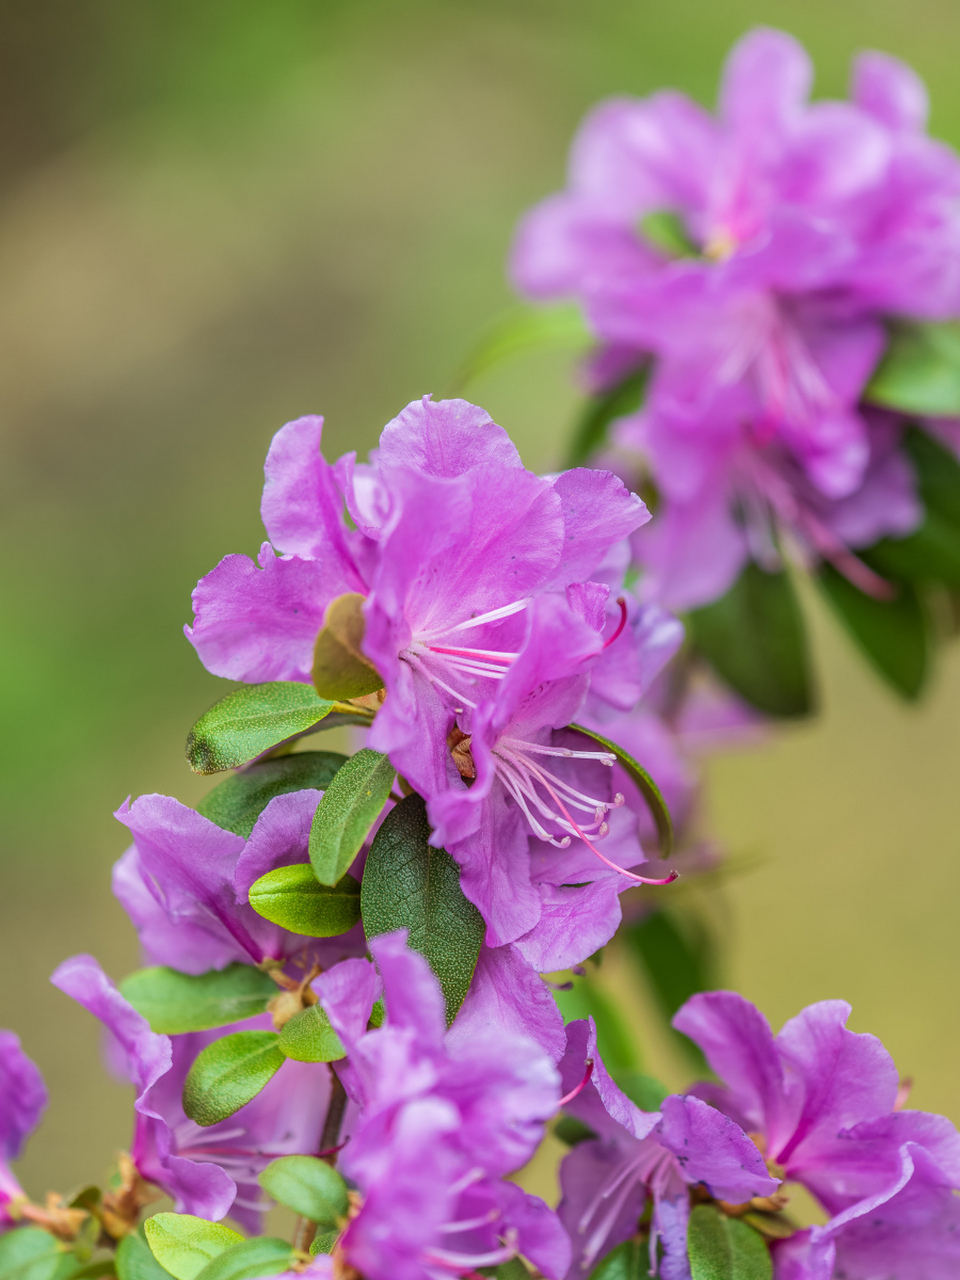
x=206, y=1171
x=185, y=881
x=637, y=1155
x=23, y=1099
x=441, y=1119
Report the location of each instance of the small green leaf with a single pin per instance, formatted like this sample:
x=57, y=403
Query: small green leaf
x=101, y=1267
x=251, y=720
x=667, y=231
x=174, y=1002
x=408, y=884
x=892, y=634
x=135, y=1261
x=309, y=1037
x=721, y=1248
x=294, y=898
x=310, y=1187
x=340, y=669
x=324, y=1242
x=644, y=783
x=932, y=552
x=183, y=1244
x=590, y=432
x=512, y=1270
x=227, y=1074
x=250, y=1259
x=676, y=962
x=524, y=331
x=920, y=371
x=237, y=802
x=629, y=1261
x=754, y=639
x=347, y=811
x=31, y=1254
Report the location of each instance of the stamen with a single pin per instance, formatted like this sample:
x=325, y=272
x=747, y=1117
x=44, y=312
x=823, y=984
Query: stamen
x=580, y=1087
x=469, y=1224
x=495, y=655
x=493, y=615
x=620, y=625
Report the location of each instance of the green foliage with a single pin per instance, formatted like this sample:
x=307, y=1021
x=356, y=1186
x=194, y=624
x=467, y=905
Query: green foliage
x=932, y=552
x=309, y=1037
x=31, y=1254
x=676, y=963
x=583, y=998
x=892, y=634
x=228, y=1073
x=135, y=1261
x=644, y=783
x=184, y=1244
x=250, y=1259
x=294, y=898
x=237, y=802
x=512, y=1270
x=629, y=1261
x=310, y=1187
x=666, y=231
x=920, y=371
x=340, y=669
x=348, y=809
x=525, y=331
x=754, y=638
x=407, y=884
x=722, y=1248
x=646, y=1091
x=174, y=1002
x=572, y=1131
x=324, y=1242
x=591, y=431
x=251, y=720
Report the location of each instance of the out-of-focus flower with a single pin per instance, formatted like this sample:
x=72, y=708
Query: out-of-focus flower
x=23, y=1098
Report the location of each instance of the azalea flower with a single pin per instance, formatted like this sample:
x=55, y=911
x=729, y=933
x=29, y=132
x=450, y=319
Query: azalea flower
x=23, y=1099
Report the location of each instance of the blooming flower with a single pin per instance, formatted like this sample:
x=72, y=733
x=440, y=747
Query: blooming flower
x=442, y=1118
x=208, y=1171
x=636, y=1155
x=23, y=1099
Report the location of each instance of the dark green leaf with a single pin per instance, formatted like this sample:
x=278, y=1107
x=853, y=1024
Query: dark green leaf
x=310, y=1187
x=309, y=1037
x=522, y=331
x=644, y=783
x=347, y=811
x=183, y=1244
x=666, y=231
x=263, y=1256
x=135, y=1261
x=676, y=963
x=754, y=639
x=591, y=431
x=294, y=898
x=891, y=633
x=629, y=1261
x=174, y=1002
x=251, y=720
x=721, y=1248
x=932, y=552
x=920, y=371
x=227, y=1074
x=572, y=1131
x=583, y=998
x=237, y=802
x=407, y=884
x=31, y=1254
x=102, y=1267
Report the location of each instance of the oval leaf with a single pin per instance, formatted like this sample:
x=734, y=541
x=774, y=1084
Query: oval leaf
x=407, y=884
x=250, y=1259
x=174, y=1002
x=310, y=1187
x=629, y=1261
x=31, y=1254
x=228, y=1074
x=294, y=898
x=340, y=669
x=251, y=720
x=135, y=1261
x=346, y=812
x=183, y=1244
x=309, y=1037
x=920, y=371
x=236, y=804
x=645, y=785
x=721, y=1248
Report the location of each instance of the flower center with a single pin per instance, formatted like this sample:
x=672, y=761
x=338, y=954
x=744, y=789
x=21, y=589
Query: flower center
x=441, y=658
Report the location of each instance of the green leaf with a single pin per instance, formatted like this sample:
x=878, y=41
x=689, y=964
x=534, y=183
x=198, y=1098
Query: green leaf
x=584, y=999
x=237, y=802
x=677, y=963
x=101, y=1267
x=644, y=783
x=294, y=898
x=407, y=884
x=250, y=1259
x=324, y=1242
x=340, y=669
x=572, y=1131
x=721, y=1248
x=646, y=1091
x=251, y=720
x=310, y=1187
x=591, y=430
x=754, y=639
x=183, y=1244
x=31, y=1254
x=174, y=1002
x=892, y=634
x=932, y=552
x=309, y=1037
x=348, y=809
x=525, y=331
x=512, y=1270
x=135, y=1261
x=629, y=1261
x=920, y=371
x=227, y=1074
x=667, y=231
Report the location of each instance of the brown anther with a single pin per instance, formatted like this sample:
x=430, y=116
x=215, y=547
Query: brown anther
x=770, y=1204
x=120, y=1208
x=459, y=744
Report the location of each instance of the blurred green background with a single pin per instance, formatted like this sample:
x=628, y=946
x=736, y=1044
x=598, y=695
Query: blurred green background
x=215, y=217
